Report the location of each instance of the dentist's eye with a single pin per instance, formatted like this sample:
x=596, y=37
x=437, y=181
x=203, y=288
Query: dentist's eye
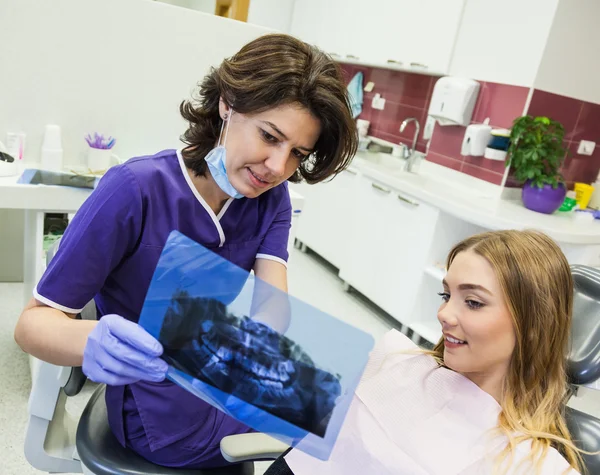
x=445, y=296
x=299, y=155
x=268, y=137
x=474, y=304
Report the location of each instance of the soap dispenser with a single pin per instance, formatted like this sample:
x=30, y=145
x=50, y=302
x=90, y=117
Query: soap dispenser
x=477, y=137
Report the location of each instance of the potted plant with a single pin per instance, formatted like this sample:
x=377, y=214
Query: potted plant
x=536, y=153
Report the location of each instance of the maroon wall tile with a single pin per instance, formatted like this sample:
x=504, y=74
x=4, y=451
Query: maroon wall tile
x=389, y=119
x=409, y=95
x=406, y=95
x=447, y=140
x=444, y=161
x=581, y=121
x=404, y=88
x=588, y=125
x=561, y=108
x=581, y=168
x=512, y=182
x=482, y=173
x=495, y=166
x=502, y=103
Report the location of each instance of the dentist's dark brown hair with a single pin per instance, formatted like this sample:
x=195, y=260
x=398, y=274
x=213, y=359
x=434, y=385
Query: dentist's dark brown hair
x=272, y=71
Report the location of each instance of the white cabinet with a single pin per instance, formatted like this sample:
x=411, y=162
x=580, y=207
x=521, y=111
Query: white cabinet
x=364, y=235
x=378, y=30
x=390, y=239
x=324, y=223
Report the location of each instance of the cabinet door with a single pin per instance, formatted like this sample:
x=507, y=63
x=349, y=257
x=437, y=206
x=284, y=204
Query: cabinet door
x=324, y=223
x=391, y=238
x=378, y=30
x=332, y=25
x=402, y=252
x=417, y=32
x=368, y=225
x=341, y=198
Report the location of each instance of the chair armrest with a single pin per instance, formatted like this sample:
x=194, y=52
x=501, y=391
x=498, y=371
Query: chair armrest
x=50, y=436
x=252, y=446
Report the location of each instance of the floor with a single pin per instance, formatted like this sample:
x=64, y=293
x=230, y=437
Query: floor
x=310, y=279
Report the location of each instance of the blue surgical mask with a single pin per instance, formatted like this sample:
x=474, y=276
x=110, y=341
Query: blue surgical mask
x=216, y=160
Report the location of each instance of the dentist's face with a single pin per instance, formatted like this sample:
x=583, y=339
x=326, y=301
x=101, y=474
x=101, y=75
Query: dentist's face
x=265, y=149
x=476, y=322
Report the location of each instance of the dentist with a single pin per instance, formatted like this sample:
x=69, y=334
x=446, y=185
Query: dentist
x=276, y=111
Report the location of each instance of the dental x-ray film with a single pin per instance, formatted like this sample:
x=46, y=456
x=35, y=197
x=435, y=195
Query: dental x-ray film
x=269, y=360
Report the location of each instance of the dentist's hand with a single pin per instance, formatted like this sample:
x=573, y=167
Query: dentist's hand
x=121, y=352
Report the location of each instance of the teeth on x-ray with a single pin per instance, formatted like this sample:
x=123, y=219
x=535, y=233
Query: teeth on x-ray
x=248, y=359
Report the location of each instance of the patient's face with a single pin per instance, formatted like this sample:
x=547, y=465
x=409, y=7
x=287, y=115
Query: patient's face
x=474, y=311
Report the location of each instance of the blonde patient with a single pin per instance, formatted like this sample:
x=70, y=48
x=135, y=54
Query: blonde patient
x=506, y=319
x=490, y=397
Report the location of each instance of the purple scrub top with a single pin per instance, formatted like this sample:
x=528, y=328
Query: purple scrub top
x=109, y=252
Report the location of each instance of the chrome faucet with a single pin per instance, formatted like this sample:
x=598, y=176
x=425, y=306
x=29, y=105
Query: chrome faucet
x=412, y=155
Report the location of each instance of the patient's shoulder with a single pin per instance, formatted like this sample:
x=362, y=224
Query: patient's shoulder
x=553, y=464
x=393, y=346
x=395, y=340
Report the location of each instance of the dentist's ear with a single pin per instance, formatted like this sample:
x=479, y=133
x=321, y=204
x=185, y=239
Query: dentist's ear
x=224, y=109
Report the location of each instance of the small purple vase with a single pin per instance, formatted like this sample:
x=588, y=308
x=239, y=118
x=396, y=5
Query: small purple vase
x=543, y=200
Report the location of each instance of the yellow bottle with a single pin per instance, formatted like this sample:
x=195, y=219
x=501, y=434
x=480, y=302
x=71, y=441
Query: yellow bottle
x=583, y=194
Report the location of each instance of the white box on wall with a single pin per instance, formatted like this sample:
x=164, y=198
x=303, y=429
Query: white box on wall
x=453, y=100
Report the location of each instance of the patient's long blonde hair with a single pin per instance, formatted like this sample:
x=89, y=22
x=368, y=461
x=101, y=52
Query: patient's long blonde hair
x=538, y=289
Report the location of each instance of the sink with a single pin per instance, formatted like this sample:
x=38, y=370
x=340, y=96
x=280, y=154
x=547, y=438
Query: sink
x=439, y=184
x=384, y=160
x=393, y=167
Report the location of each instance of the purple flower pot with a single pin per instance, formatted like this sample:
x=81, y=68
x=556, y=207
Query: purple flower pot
x=543, y=200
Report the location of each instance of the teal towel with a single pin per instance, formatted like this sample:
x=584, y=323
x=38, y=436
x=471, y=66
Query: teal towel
x=355, y=90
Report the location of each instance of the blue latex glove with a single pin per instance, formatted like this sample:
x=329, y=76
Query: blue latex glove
x=121, y=352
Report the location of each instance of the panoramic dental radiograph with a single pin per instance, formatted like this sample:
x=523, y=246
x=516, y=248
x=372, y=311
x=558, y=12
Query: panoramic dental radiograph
x=273, y=362
x=249, y=360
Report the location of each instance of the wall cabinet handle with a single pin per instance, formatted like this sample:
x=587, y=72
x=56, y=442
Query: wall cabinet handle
x=352, y=172
x=380, y=188
x=407, y=200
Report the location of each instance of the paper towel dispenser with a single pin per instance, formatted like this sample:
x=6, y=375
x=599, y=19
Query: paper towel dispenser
x=453, y=100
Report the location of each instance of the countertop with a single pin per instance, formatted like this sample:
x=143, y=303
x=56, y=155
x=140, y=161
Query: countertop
x=473, y=200
x=63, y=199
x=457, y=194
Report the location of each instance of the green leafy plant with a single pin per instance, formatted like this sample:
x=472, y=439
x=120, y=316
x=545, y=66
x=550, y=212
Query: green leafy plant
x=536, y=150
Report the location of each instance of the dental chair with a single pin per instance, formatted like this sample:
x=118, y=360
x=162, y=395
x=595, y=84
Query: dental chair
x=583, y=362
x=56, y=442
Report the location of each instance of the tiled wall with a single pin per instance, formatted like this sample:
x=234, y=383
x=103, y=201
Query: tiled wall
x=502, y=103
x=581, y=121
x=405, y=94
x=408, y=95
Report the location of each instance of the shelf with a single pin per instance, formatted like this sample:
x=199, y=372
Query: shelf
x=431, y=331
x=392, y=66
x=435, y=272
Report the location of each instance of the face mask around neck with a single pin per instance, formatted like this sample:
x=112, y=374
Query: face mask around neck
x=216, y=161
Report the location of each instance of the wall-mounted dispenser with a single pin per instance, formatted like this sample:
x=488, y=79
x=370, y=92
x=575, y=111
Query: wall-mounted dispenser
x=453, y=100
x=477, y=137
